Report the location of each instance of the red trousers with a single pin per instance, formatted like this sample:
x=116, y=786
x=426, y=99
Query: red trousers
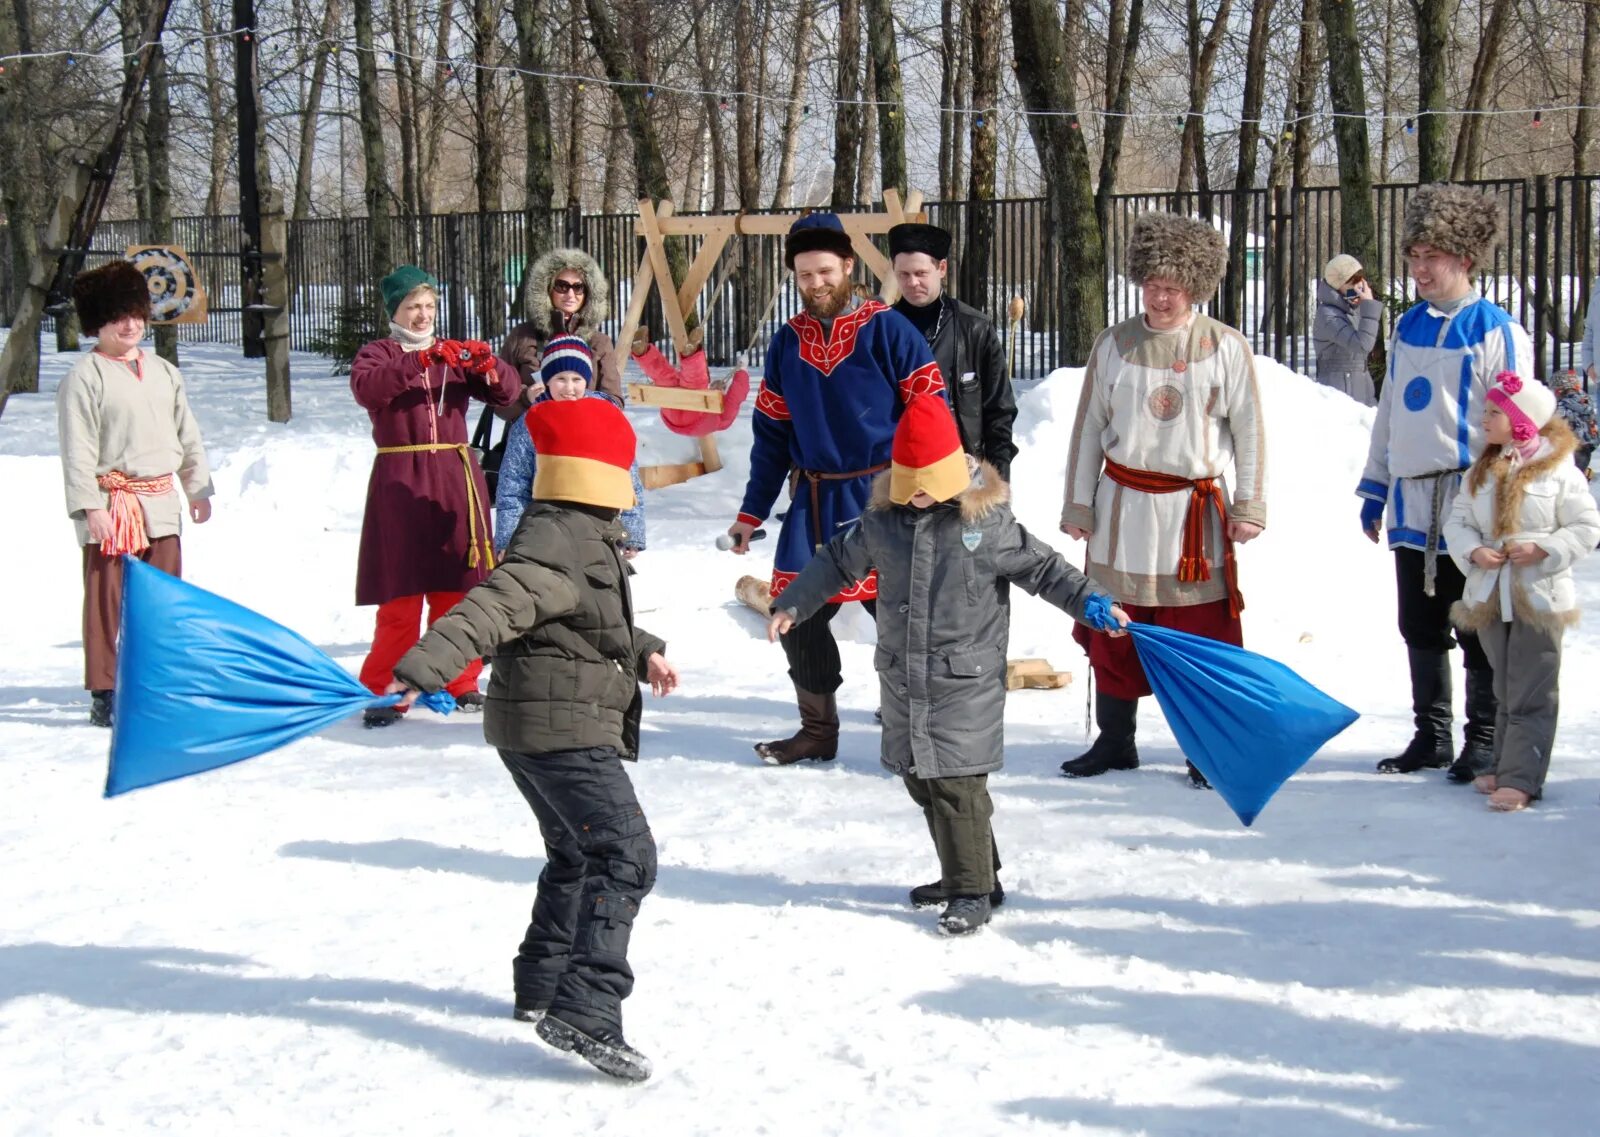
x=399, y=629
x=1115, y=661
x=102, y=605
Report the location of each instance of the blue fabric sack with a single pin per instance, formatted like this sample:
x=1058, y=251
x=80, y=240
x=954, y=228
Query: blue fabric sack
x=203, y=682
x=1248, y=722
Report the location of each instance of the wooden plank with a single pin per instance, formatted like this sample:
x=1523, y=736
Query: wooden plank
x=658, y=261
x=636, y=303
x=705, y=260
x=655, y=477
x=708, y=399
x=710, y=457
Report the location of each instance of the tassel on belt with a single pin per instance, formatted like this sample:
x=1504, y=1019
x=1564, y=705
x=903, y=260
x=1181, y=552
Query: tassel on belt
x=479, y=551
x=127, y=519
x=1207, y=495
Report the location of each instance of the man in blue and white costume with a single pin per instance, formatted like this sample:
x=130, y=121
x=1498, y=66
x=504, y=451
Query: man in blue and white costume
x=837, y=377
x=1444, y=357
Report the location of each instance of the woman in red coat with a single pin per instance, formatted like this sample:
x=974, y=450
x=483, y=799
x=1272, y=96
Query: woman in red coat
x=426, y=535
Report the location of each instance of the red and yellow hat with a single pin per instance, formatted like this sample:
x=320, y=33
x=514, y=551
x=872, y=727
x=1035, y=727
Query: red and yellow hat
x=585, y=448
x=927, y=453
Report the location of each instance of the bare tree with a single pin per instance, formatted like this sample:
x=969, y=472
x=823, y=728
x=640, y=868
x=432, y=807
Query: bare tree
x=20, y=177
x=219, y=118
x=1203, y=47
x=890, y=94
x=312, y=111
x=988, y=27
x=1244, y=180
x=1588, y=88
x=1468, y=161
x=538, y=182
x=1434, y=19
x=847, y=105
x=378, y=194
x=1122, y=52
x=783, y=192
x=1358, y=230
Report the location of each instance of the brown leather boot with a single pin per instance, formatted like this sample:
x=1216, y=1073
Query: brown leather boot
x=818, y=737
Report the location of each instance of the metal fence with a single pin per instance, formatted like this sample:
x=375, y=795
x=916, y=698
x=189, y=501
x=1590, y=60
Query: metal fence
x=1542, y=272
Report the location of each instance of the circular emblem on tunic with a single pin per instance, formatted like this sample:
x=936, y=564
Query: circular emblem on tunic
x=1180, y=366
x=1166, y=402
x=1418, y=394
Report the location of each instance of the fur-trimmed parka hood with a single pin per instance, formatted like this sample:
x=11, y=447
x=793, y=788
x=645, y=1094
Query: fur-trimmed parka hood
x=985, y=493
x=1180, y=249
x=1509, y=490
x=597, y=304
x=1457, y=220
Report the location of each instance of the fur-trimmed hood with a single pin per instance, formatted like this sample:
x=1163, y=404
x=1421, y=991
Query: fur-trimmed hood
x=1455, y=219
x=1509, y=491
x=985, y=493
x=1181, y=249
x=597, y=305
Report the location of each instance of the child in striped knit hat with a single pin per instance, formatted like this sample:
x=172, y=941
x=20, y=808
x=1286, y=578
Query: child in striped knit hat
x=567, y=371
x=940, y=533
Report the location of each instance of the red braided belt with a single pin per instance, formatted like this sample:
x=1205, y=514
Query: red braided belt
x=1192, y=564
x=127, y=519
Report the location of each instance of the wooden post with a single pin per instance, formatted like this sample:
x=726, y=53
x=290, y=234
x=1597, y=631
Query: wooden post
x=275, y=295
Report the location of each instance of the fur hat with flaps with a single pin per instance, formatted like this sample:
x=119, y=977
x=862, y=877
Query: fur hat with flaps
x=1454, y=220
x=585, y=450
x=927, y=453
x=1189, y=253
x=817, y=232
x=1529, y=405
x=108, y=293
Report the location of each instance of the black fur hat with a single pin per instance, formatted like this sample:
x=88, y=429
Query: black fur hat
x=108, y=293
x=915, y=237
x=817, y=232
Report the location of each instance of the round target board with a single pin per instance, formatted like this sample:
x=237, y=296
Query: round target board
x=176, y=294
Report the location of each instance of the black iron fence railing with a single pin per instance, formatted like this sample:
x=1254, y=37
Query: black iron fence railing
x=1542, y=272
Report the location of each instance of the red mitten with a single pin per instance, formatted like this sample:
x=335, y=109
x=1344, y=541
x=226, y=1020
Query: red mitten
x=480, y=357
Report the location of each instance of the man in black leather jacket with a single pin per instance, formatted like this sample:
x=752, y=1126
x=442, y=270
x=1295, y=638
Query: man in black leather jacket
x=964, y=341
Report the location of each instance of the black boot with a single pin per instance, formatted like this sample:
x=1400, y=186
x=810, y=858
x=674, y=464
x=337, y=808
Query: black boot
x=929, y=895
x=1114, y=748
x=1477, y=752
x=100, y=708
x=817, y=738
x=1429, y=748
x=606, y=1050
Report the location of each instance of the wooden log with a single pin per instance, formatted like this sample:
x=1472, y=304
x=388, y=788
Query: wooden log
x=1034, y=673
x=754, y=593
x=656, y=477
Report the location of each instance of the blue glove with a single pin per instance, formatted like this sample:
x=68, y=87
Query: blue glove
x=439, y=702
x=1371, y=515
x=1097, y=613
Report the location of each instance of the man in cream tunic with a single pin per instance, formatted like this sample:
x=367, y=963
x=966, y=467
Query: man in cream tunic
x=131, y=458
x=1169, y=402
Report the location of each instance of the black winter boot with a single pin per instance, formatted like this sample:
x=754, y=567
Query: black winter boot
x=1429, y=748
x=605, y=1050
x=100, y=708
x=1477, y=752
x=964, y=915
x=1114, y=748
x=817, y=738
x=929, y=895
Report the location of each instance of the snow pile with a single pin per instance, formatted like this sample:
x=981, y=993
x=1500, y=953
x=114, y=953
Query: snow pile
x=320, y=940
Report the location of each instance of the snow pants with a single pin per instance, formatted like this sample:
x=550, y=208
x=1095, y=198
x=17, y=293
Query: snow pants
x=813, y=653
x=1527, y=669
x=600, y=862
x=959, y=810
x=1117, y=671
x=102, y=605
x=399, y=629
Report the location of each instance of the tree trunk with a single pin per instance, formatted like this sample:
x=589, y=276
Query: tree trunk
x=1306, y=94
x=783, y=193
x=157, y=137
x=1192, y=169
x=1347, y=95
x=538, y=183
x=1080, y=297
x=221, y=122
x=312, y=113
x=407, y=96
x=1122, y=52
x=1467, y=164
x=138, y=151
x=377, y=193
x=488, y=168
x=713, y=111
x=949, y=122
x=428, y=156
x=21, y=176
x=575, y=121
x=867, y=157
x=746, y=110
x=1255, y=69
x=1588, y=88
x=613, y=186
x=847, y=107
x=890, y=94
x=988, y=26
x=1434, y=19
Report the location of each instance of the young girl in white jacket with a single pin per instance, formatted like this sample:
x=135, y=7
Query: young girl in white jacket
x=1523, y=518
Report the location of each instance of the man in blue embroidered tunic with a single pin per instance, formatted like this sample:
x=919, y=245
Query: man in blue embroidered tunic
x=837, y=377
x=1445, y=354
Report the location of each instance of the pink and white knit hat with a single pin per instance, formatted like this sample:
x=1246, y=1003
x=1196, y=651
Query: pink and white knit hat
x=1529, y=406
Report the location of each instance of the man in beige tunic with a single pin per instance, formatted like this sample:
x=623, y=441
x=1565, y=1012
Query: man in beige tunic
x=132, y=459
x=1169, y=402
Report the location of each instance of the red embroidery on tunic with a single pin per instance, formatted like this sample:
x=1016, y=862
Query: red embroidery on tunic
x=860, y=590
x=925, y=380
x=826, y=354
x=772, y=404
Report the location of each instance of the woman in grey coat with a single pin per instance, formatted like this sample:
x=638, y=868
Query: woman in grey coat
x=1346, y=328
x=946, y=548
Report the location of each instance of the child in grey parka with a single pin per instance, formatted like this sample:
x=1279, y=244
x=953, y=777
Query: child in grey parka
x=946, y=547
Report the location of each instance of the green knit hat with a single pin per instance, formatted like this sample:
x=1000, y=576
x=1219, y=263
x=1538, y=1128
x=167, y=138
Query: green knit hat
x=402, y=282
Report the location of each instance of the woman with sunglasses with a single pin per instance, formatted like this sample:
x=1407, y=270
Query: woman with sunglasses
x=569, y=296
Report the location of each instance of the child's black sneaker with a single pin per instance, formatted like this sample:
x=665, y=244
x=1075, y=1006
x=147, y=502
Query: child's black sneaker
x=470, y=703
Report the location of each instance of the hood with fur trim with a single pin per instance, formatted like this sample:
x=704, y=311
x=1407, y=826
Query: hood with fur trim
x=984, y=494
x=597, y=306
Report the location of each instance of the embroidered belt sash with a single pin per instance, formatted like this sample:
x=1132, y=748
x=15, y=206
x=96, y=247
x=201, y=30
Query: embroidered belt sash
x=1207, y=495
x=127, y=519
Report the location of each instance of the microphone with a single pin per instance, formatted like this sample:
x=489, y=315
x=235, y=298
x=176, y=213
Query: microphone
x=725, y=540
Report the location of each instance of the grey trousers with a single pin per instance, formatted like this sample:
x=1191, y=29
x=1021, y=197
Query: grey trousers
x=1527, y=666
x=958, y=811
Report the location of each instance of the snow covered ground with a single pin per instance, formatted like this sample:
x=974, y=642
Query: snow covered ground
x=319, y=941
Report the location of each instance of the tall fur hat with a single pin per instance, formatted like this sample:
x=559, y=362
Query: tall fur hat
x=1189, y=253
x=1454, y=219
x=108, y=293
x=817, y=232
